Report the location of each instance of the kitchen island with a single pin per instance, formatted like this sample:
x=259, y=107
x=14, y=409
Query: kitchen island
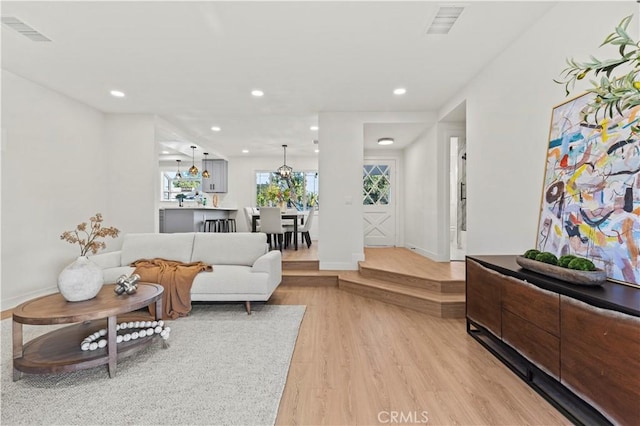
x=191, y=219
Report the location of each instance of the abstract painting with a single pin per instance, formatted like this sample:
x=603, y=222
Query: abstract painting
x=590, y=197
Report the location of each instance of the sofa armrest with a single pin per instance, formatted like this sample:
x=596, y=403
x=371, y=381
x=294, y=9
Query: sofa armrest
x=270, y=262
x=107, y=260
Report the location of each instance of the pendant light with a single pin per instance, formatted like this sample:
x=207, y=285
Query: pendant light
x=284, y=171
x=178, y=175
x=205, y=173
x=193, y=170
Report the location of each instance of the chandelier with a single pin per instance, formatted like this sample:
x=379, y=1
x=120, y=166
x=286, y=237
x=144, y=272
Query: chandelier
x=284, y=171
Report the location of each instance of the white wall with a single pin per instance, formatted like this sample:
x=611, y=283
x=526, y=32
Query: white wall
x=420, y=205
x=53, y=177
x=132, y=165
x=508, y=111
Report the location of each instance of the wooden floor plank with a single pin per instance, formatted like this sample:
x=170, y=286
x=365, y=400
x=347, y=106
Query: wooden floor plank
x=357, y=357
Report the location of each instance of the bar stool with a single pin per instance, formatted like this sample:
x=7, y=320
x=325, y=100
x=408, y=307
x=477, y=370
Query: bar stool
x=209, y=223
x=231, y=225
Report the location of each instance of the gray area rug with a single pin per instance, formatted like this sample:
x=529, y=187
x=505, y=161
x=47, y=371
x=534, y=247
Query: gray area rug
x=222, y=367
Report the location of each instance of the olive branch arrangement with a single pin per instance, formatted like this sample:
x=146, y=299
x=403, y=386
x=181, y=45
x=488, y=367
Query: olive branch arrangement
x=612, y=94
x=86, y=235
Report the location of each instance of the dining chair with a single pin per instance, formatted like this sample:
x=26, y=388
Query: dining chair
x=271, y=224
x=306, y=228
x=248, y=215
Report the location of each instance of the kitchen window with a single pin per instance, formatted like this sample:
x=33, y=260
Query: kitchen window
x=188, y=186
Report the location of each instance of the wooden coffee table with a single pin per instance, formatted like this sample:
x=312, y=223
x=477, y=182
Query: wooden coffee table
x=59, y=351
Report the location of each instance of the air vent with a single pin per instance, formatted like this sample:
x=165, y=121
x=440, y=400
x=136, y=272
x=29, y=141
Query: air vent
x=24, y=29
x=444, y=19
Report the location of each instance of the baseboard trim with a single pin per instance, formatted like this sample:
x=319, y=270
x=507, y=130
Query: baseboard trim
x=426, y=253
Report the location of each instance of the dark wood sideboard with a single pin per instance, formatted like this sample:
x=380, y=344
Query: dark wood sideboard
x=579, y=347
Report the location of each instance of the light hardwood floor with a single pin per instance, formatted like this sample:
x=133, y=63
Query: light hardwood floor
x=357, y=359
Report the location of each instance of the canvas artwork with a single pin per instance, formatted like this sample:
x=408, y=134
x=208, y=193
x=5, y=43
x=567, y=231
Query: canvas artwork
x=591, y=202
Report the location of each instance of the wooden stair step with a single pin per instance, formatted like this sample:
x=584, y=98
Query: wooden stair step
x=444, y=285
x=300, y=265
x=432, y=303
x=305, y=277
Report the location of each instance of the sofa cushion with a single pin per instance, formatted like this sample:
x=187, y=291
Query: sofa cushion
x=234, y=248
x=230, y=279
x=148, y=246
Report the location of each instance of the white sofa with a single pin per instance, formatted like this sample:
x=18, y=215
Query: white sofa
x=243, y=267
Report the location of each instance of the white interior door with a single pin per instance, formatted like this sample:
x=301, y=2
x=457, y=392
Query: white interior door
x=379, y=203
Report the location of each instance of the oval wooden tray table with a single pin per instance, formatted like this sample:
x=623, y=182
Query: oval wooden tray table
x=59, y=351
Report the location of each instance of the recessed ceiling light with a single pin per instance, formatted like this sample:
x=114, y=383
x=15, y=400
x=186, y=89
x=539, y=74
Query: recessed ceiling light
x=245, y=151
x=313, y=128
x=316, y=151
x=400, y=91
x=385, y=141
x=165, y=152
x=257, y=93
x=117, y=94
x=216, y=128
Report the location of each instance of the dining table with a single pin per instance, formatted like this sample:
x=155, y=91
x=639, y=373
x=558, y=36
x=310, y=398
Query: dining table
x=285, y=215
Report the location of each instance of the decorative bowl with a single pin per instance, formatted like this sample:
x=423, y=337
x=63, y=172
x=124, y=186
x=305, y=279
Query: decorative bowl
x=588, y=278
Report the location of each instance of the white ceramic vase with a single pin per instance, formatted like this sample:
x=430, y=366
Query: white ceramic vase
x=81, y=280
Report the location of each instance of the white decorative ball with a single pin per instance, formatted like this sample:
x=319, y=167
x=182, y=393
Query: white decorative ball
x=160, y=323
x=158, y=329
x=149, y=331
x=95, y=335
x=134, y=335
x=117, y=327
x=102, y=343
x=119, y=339
x=130, y=324
x=85, y=346
x=93, y=346
x=136, y=324
x=168, y=329
x=126, y=337
x=123, y=326
x=102, y=332
x=154, y=323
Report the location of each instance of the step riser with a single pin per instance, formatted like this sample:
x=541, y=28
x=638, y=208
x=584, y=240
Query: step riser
x=310, y=281
x=451, y=287
x=301, y=265
x=434, y=308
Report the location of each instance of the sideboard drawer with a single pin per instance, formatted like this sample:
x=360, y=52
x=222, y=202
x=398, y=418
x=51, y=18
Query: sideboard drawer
x=533, y=304
x=537, y=345
x=601, y=359
x=483, y=297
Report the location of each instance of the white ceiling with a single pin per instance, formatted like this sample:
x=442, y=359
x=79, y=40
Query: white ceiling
x=195, y=63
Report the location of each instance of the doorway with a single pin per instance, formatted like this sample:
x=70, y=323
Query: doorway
x=458, y=196
x=379, y=203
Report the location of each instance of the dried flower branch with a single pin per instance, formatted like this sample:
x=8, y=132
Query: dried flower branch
x=612, y=94
x=87, y=238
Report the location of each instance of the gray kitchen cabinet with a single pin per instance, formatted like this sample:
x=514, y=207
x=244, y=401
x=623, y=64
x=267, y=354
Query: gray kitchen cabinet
x=217, y=180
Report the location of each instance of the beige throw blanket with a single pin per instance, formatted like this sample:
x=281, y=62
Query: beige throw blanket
x=176, y=278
